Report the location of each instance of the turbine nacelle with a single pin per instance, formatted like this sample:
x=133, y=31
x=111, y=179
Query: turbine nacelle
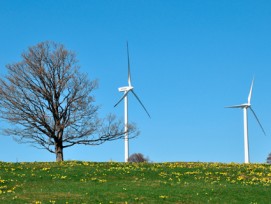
x=125, y=88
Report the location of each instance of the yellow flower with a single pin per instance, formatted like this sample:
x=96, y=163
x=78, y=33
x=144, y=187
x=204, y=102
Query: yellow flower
x=163, y=196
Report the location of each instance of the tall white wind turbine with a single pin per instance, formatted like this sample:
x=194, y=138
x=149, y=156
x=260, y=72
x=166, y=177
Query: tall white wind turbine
x=126, y=90
x=246, y=106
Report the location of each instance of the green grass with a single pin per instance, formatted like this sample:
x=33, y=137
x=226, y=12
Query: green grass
x=86, y=182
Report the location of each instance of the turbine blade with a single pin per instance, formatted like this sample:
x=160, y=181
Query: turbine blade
x=257, y=120
x=141, y=103
x=250, y=92
x=236, y=106
x=121, y=98
x=129, y=72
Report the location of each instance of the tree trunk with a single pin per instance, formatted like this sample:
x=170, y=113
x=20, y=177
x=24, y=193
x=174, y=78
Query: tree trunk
x=59, y=151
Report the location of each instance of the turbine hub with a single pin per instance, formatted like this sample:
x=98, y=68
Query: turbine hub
x=246, y=105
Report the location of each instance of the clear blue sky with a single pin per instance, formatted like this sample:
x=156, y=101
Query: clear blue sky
x=189, y=59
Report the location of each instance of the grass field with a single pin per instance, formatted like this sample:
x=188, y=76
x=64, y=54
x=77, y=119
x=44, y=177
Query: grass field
x=87, y=182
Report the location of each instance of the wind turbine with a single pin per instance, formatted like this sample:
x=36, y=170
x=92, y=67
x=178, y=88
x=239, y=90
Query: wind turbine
x=126, y=90
x=246, y=106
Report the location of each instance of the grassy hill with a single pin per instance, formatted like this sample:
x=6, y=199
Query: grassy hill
x=87, y=182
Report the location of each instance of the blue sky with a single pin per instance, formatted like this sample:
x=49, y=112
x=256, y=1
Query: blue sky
x=189, y=59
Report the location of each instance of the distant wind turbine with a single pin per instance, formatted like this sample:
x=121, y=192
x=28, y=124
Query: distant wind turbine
x=126, y=90
x=245, y=106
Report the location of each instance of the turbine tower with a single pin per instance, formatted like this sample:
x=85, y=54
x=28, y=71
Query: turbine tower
x=246, y=106
x=126, y=90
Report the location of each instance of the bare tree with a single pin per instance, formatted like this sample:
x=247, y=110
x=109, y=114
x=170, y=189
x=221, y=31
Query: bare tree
x=268, y=160
x=137, y=157
x=49, y=103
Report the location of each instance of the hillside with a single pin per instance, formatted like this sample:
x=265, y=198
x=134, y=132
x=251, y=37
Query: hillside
x=88, y=182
